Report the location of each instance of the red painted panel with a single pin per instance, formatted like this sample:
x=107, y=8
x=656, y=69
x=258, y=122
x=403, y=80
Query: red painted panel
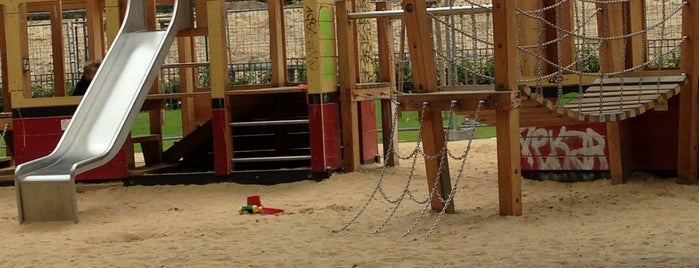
x=324, y=129
x=222, y=157
x=651, y=139
x=571, y=147
x=369, y=138
x=37, y=137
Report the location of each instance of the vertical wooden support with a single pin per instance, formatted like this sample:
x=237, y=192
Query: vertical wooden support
x=612, y=16
x=113, y=17
x=637, y=22
x=151, y=23
x=201, y=14
x=347, y=61
x=365, y=46
x=218, y=70
x=563, y=17
x=17, y=71
x=529, y=35
x=688, y=140
x=95, y=29
x=418, y=27
x=277, y=44
x=185, y=48
x=507, y=120
x=59, y=72
x=7, y=100
x=387, y=70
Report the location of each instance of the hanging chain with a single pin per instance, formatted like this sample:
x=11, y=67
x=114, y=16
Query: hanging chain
x=406, y=189
x=459, y=175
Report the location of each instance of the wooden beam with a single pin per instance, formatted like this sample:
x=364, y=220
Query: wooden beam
x=218, y=71
x=277, y=43
x=185, y=52
x=365, y=45
x=466, y=101
x=59, y=74
x=507, y=121
x=95, y=30
x=387, y=71
x=113, y=18
x=529, y=36
x=18, y=75
x=218, y=64
x=637, y=22
x=418, y=29
x=201, y=14
x=151, y=22
x=7, y=100
x=346, y=40
x=688, y=139
x=613, y=59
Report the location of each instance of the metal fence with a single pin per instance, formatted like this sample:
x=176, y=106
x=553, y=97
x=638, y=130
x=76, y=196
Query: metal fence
x=463, y=46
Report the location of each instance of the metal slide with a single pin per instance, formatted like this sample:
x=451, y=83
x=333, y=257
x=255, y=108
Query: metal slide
x=46, y=186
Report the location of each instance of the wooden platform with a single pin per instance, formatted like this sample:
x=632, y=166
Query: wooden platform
x=614, y=99
x=531, y=113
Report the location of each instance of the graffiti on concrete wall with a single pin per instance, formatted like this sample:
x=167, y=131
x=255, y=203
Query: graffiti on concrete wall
x=576, y=147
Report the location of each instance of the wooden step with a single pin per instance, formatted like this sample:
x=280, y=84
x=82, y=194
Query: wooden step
x=271, y=159
x=270, y=123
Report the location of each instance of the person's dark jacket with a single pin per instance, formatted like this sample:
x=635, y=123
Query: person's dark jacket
x=81, y=87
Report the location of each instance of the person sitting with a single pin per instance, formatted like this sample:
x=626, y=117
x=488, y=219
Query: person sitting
x=88, y=73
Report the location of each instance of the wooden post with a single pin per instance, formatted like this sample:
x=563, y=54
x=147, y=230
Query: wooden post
x=563, y=17
x=529, y=35
x=366, y=54
x=201, y=14
x=59, y=72
x=387, y=70
x=418, y=27
x=688, y=143
x=347, y=61
x=18, y=75
x=95, y=29
x=185, y=48
x=7, y=100
x=637, y=22
x=277, y=43
x=114, y=17
x=612, y=15
x=218, y=70
x=507, y=120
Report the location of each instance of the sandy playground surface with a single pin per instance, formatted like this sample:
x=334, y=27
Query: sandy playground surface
x=648, y=222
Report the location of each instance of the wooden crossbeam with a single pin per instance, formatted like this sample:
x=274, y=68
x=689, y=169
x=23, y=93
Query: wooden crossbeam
x=466, y=101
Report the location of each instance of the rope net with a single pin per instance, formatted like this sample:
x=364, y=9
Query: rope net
x=598, y=40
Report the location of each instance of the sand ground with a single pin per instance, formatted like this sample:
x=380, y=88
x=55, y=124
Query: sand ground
x=648, y=222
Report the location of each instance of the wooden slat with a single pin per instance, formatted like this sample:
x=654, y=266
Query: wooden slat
x=631, y=87
x=608, y=102
x=176, y=95
x=273, y=90
x=467, y=88
x=643, y=80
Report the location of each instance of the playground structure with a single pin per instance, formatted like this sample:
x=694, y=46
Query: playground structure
x=330, y=125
